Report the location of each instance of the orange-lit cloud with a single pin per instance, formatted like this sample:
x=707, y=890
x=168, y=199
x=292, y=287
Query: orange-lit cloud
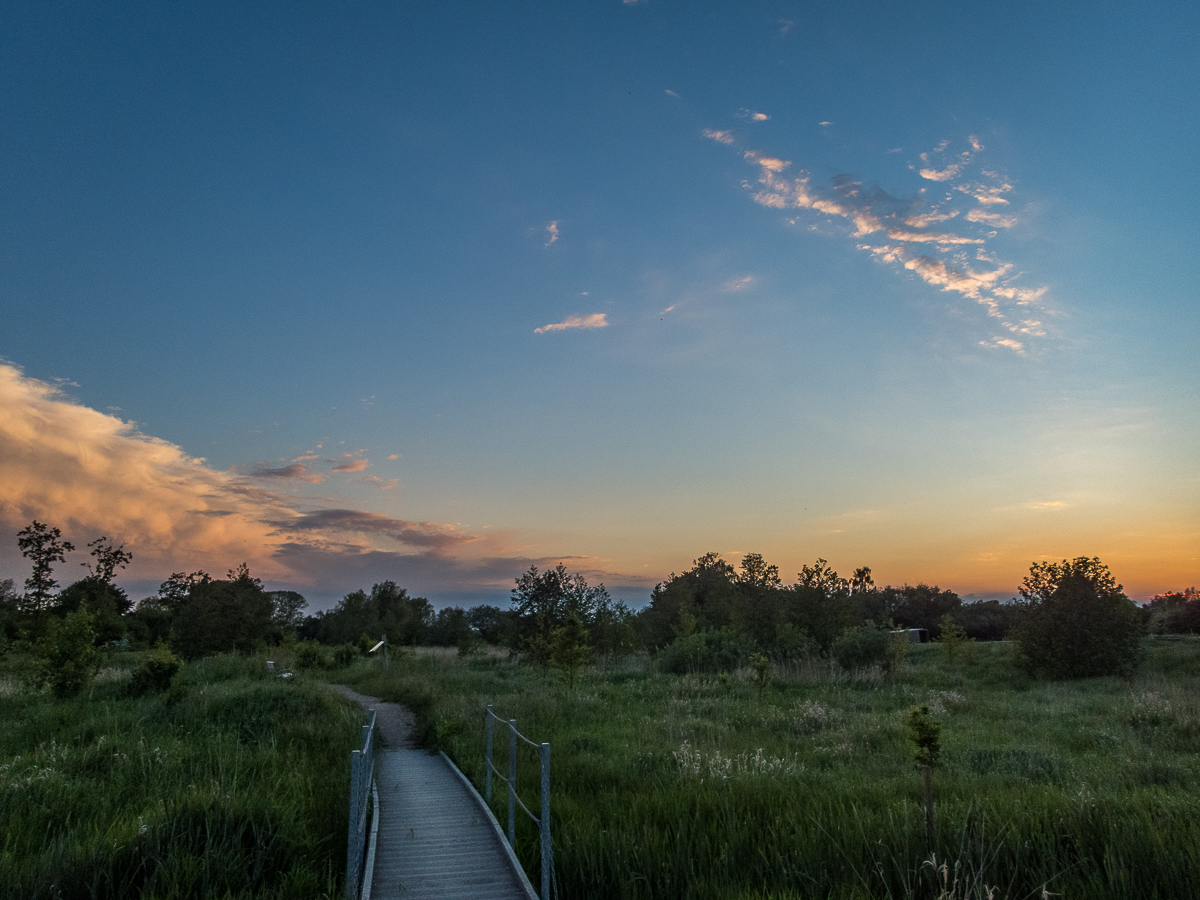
x=355, y=465
x=90, y=473
x=595, y=320
x=721, y=137
x=552, y=230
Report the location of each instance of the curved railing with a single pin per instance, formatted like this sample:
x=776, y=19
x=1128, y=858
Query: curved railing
x=542, y=821
x=362, y=768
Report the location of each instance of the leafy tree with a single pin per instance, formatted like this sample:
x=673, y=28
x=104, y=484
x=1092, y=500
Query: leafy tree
x=450, y=627
x=569, y=649
x=1175, y=612
x=495, y=625
x=955, y=640
x=43, y=546
x=287, y=608
x=105, y=601
x=919, y=606
x=220, y=616
x=544, y=601
x=1077, y=623
x=762, y=672
x=108, y=559
x=704, y=596
x=66, y=657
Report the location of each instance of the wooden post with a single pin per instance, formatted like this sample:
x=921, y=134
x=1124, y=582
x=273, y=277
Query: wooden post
x=927, y=777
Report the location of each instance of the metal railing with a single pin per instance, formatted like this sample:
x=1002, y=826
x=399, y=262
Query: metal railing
x=362, y=768
x=543, y=821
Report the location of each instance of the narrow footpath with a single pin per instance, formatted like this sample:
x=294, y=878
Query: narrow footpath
x=435, y=838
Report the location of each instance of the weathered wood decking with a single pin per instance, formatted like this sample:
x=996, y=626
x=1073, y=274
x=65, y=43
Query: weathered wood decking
x=435, y=838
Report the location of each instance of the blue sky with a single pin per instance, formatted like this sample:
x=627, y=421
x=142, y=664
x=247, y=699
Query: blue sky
x=436, y=292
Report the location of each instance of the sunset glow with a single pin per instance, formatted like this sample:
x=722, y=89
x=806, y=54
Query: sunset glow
x=435, y=294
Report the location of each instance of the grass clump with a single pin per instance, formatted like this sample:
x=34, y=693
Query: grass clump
x=238, y=789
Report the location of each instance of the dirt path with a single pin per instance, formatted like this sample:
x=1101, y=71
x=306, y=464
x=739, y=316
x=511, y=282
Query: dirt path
x=393, y=722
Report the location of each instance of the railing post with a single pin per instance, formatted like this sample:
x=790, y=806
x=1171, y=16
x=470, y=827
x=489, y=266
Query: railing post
x=512, y=783
x=544, y=829
x=488, y=796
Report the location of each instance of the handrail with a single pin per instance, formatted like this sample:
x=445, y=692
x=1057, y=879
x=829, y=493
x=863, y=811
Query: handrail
x=543, y=821
x=362, y=769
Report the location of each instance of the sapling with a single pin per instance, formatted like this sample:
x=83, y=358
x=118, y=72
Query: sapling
x=925, y=732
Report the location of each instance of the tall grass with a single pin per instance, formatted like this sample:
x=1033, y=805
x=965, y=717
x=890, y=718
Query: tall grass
x=234, y=787
x=687, y=786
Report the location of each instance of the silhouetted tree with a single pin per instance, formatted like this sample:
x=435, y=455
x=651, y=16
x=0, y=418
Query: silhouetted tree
x=43, y=546
x=1077, y=621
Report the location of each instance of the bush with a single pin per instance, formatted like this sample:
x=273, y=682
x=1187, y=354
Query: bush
x=1078, y=623
x=156, y=672
x=311, y=655
x=705, y=651
x=66, y=657
x=863, y=646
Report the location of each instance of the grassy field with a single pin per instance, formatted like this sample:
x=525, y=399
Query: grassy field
x=690, y=786
x=236, y=786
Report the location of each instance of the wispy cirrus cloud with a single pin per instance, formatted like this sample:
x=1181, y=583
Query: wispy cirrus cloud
x=594, y=320
x=944, y=243
x=734, y=285
x=552, y=230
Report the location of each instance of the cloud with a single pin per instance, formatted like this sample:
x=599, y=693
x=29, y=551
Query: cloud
x=996, y=220
x=595, y=320
x=671, y=93
x=426, y=535
x=733, y=285
x=1049, y=504
x=355, y=465
x=552, y=230
x=91, y=473
x=298, y=471
x=721, y=137
x=824, y=124
x=393, y=456
x=306, y=457
x=897, y=230
x=786, y=25
x=930, y=218
x=751, y=116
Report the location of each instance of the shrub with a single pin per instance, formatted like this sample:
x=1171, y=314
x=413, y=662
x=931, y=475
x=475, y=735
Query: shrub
x=66, y=657
x=311, y=655
x=1078, y=623
x=344, y=655
x=863, y=646
x=954, y=640
x=156, y=672
x=705, y=651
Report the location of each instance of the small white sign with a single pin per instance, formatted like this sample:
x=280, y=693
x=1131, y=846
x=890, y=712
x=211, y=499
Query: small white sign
x=376, y=647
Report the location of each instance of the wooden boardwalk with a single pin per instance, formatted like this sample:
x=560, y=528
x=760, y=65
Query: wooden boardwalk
x=435, y=838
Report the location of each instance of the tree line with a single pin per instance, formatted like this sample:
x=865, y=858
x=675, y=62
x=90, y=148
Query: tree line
x=1069, y=618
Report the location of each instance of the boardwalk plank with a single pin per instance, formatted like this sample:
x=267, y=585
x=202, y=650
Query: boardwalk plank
x=434, y=840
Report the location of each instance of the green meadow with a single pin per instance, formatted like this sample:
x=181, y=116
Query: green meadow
x=233, y=785
x=694, y=786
